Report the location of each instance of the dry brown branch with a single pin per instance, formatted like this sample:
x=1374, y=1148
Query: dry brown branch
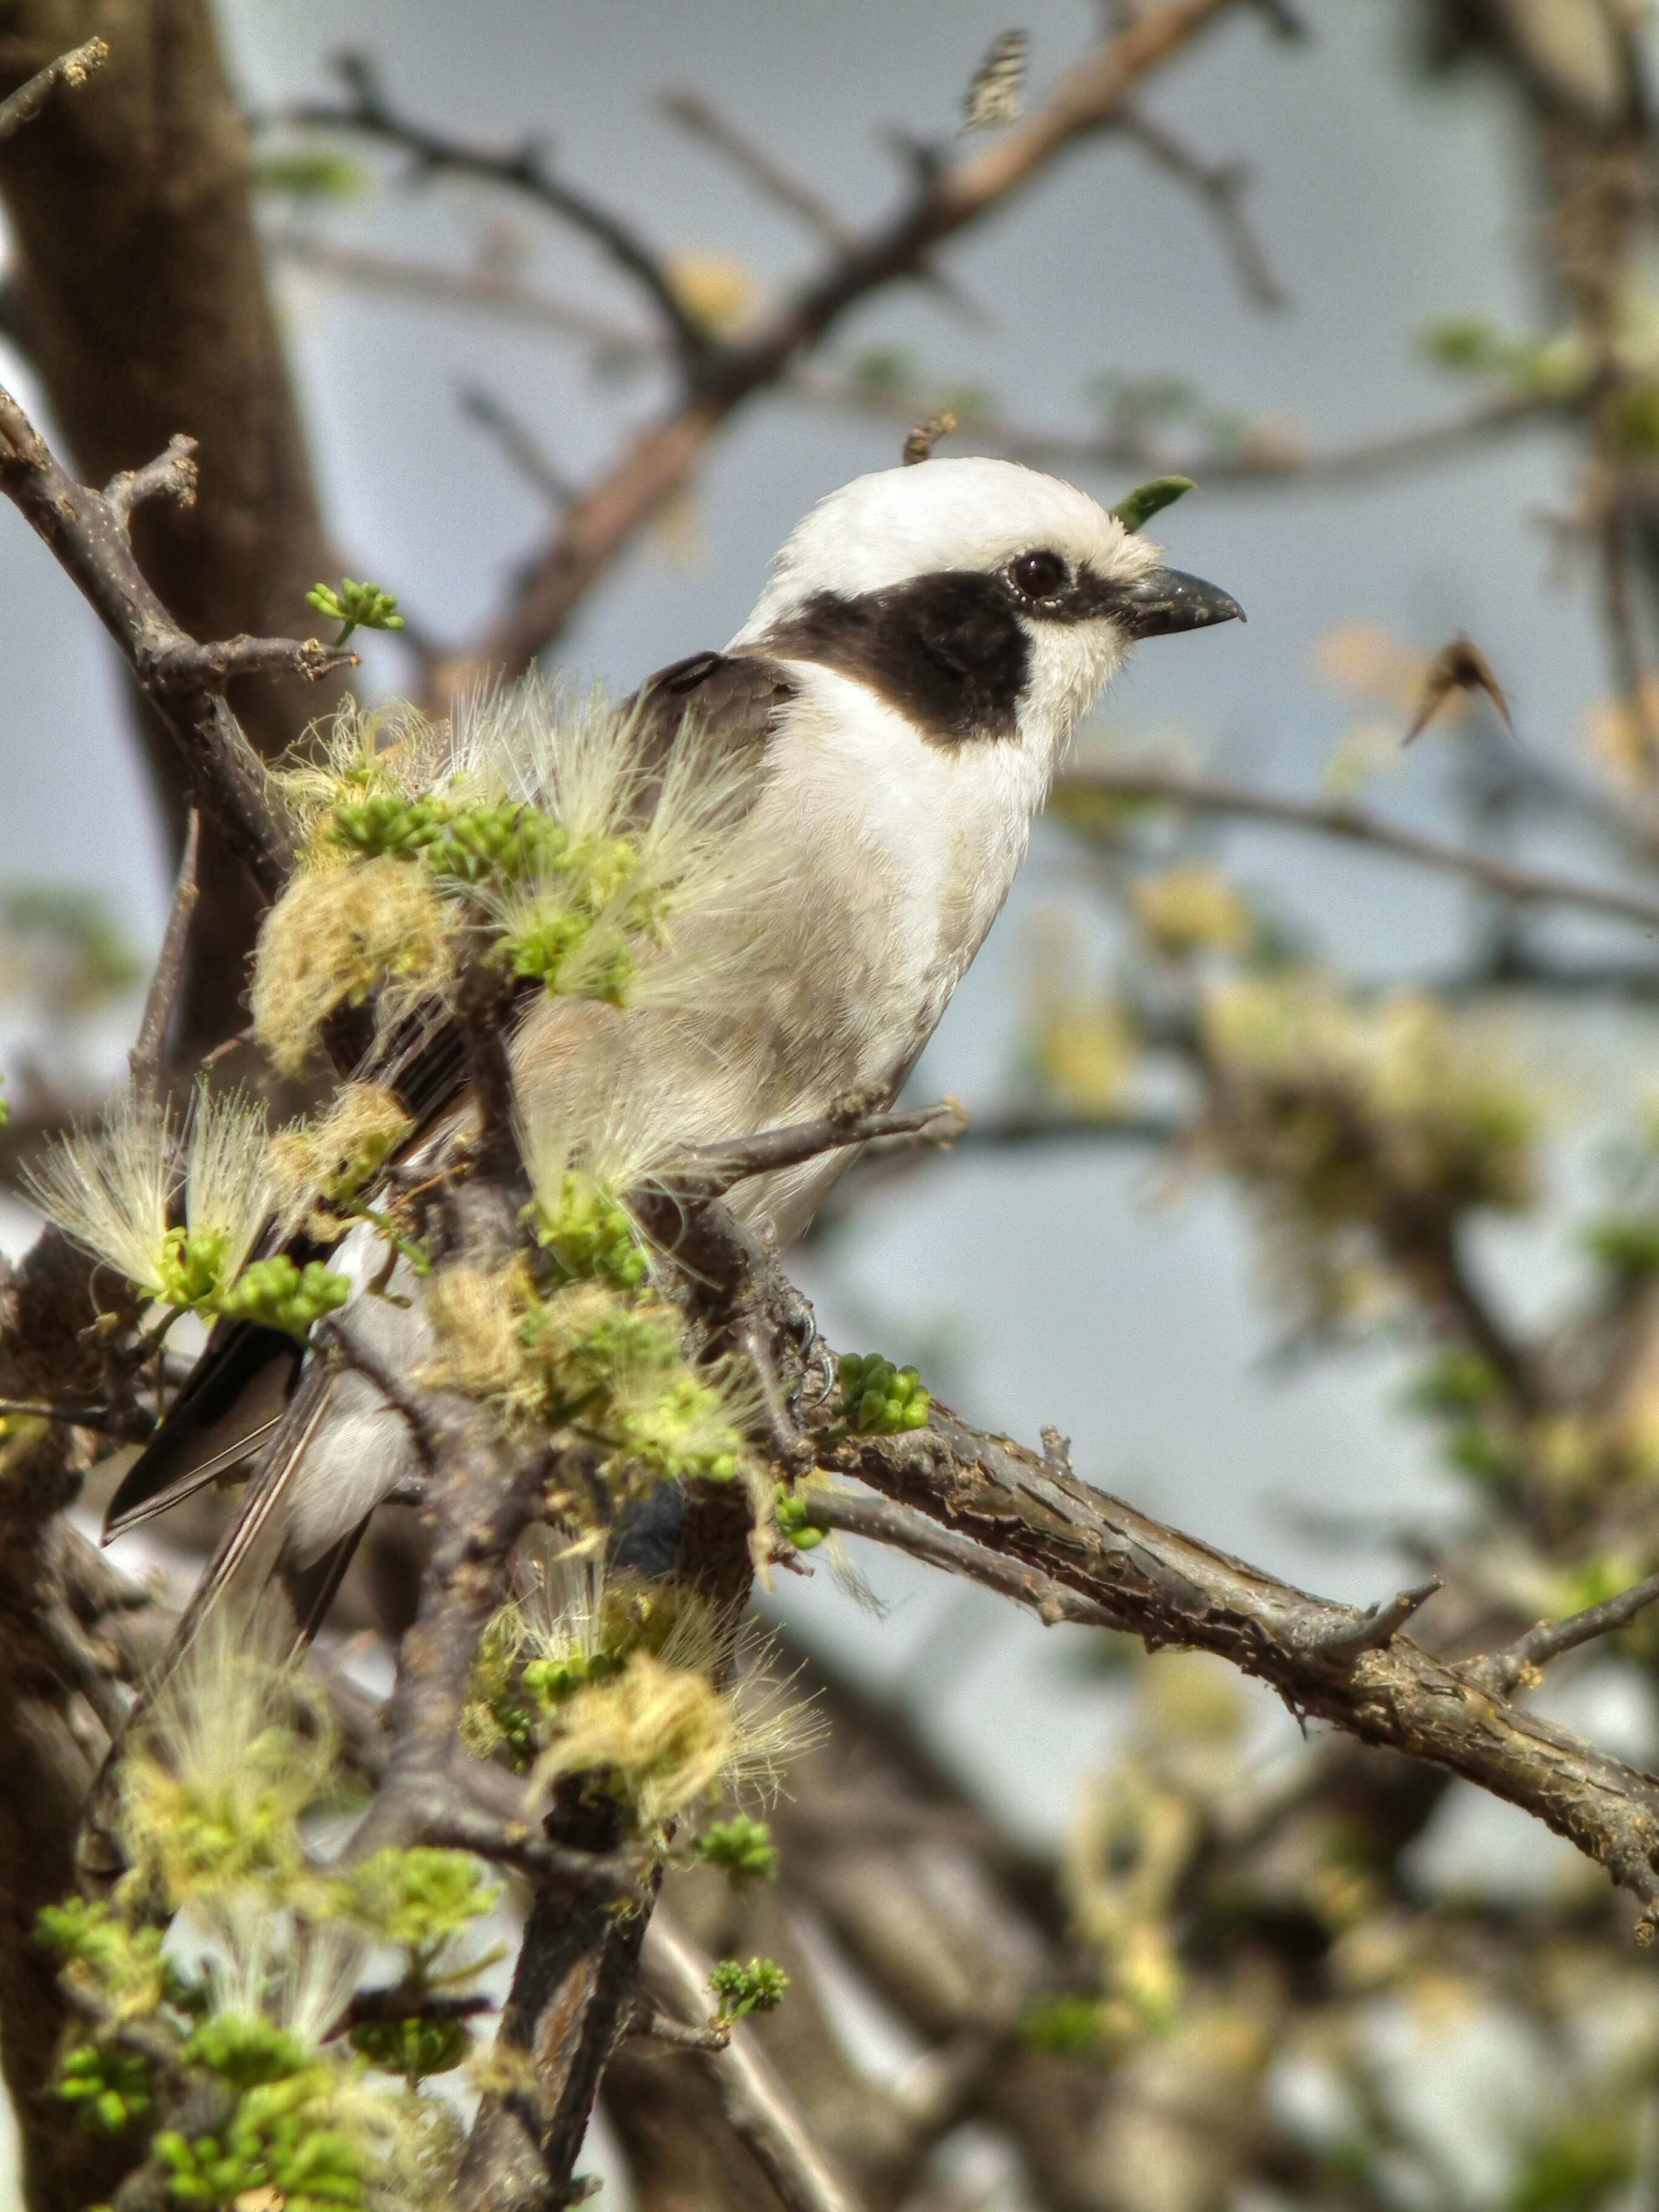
x=161, y=999
x=1170, y=1588
x=182, y=680
x=1537, y=886
x=947, y=200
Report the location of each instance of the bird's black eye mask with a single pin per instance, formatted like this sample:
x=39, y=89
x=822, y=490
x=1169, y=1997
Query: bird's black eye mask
x=952, y=651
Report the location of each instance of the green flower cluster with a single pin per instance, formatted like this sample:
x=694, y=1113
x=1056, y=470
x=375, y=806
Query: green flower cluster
x=742, y=1847
x=546, y=891
x=279, y=1294
x=758, y=1987
x=191, y=1264
x=463, y=843
x=880, y=1400
x=794, y=1518
x=277, y=2139
x=588, y=1235
x=422, y=2044
x=111, y=2086
x=420, y=1900
x=211, y=1811
x=356, y=606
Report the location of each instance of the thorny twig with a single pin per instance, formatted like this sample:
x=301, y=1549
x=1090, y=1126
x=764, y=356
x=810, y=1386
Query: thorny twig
x=1169, y=1589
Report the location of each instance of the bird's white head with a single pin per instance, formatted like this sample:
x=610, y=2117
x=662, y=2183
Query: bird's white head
x=983, y=600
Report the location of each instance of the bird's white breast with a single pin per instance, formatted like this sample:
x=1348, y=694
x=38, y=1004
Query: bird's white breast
x=916, y=843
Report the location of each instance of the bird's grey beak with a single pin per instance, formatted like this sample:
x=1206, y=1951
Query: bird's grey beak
x=1165, y=600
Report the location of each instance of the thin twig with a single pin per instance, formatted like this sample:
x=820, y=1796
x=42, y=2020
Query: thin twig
x=658, y=2027
x=522, y=170
x=1525, y=1659
x=518, y=443
x=172, y=475
x=757, y=2107
x=162, y=997
x=336, y=1331
x=884, y=1522
x=702, y=119
x=518, y=1843
x=106, y=1420
x=1222, y=187
x=1332, y=819
x=477, y=291
x=71, y=71
x=706, y=1171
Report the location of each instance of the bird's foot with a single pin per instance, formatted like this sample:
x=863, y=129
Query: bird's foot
x=818, y=1373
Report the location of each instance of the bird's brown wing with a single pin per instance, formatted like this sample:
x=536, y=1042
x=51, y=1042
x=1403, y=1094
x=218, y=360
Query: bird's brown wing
x=735, y=697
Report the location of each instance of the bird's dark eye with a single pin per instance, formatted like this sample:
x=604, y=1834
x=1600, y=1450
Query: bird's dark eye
x=1040, y=575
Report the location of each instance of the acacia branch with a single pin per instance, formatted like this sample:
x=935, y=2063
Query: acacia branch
x=86, y=532
x=1330, y=819
x=703, y=120
x=1169, y=1589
